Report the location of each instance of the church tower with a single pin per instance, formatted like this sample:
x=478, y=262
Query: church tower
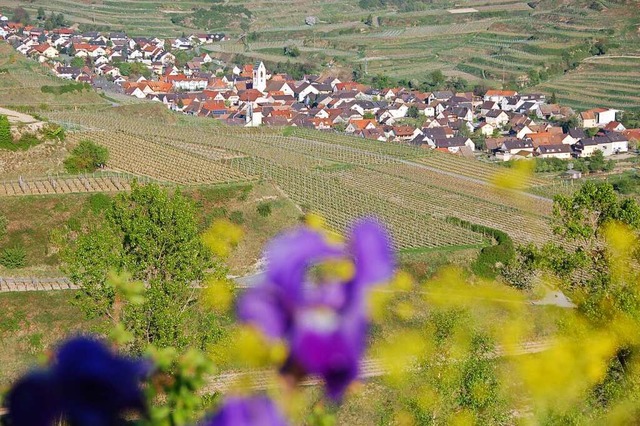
x=259, y=76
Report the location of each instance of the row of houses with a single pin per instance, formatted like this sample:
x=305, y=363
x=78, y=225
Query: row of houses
x=514, y=125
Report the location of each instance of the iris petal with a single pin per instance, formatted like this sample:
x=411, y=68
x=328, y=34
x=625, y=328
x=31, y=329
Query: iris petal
x=254, y=411
x=373, y=252
x=290, y=255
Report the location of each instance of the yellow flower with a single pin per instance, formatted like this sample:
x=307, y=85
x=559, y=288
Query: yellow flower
x=515, y=178
x=218, y=294
x=221, y=237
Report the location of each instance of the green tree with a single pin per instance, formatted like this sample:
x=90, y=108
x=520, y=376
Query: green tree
x=413, y=112
x=598, y=274
x=596, y=161
x=41, y=13
x=20, y=15
x=437, y=78
x=582, y=216
x=152, y=235
x=77, y=62
x=6, y=140
x=291, y=51
x=86, y=157
x=553, y=99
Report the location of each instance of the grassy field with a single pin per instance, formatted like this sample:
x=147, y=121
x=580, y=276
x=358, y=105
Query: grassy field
x=30, y=322
x=20, y=87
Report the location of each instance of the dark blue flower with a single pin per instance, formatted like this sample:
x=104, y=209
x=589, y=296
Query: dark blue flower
x=87, y=385
x=325, y=325
x=252, y=411
x=33, y=400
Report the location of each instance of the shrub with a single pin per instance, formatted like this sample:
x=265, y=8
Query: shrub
x=65, y=88
x=237, y=217
x=291, y=51
x=3, y=226
x=6, y=140
x=13, y=257
x=54, y=132
x=86, y=157
x=264, y=209
x=26, y=141
x=502, y=253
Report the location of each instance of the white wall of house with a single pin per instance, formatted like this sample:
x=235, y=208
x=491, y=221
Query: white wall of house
x=560, y=155
x=606, y=117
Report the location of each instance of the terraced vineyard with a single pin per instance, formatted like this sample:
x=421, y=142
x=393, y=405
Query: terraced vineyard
x=605, y=81
x=97, y=182
x=492, y=41
x=159, y=161
x=414, y=190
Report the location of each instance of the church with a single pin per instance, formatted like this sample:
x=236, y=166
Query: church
x=259, y=76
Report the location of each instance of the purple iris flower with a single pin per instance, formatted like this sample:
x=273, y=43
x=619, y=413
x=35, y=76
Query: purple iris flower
x=253, y=411
x=325, y=325
x=86, y=385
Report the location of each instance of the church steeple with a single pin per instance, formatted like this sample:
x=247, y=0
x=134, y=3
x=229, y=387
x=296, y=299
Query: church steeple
x=259, y=76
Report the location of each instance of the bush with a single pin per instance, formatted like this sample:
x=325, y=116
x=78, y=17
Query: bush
x=65, y=88
x=54, y=132
x=3, y=226
x=264, y=209
x=86, y=157
x=6, y=140
x=13, y=257
x=291, y=51
x=237, y=217
x=26, y=141
x=502, y=253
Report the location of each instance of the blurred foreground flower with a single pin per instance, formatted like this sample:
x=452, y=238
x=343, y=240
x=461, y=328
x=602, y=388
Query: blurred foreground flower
x=253, y=411
x=86, y=385
x=325, y=324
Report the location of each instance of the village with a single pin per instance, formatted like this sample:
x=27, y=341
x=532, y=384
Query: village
x=504, y=124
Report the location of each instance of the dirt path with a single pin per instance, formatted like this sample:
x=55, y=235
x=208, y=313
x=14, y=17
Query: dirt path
x=595, y=58
x=18, y=117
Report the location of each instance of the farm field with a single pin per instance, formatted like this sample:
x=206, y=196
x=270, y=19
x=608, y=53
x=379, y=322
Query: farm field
x=612, y=82
x=415, y=191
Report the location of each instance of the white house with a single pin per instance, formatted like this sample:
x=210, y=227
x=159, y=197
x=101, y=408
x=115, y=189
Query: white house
x=191, y=85
x=605, y=116
x=101, y=60
x=181, y=44
x=486, y=129
x=561, y=151
x=498, y=95
x=454, y=145
x=513, y=146
x=305, y=90
x=609, y=144
x=588, y=119
x=497, y=117
x=46, y=50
